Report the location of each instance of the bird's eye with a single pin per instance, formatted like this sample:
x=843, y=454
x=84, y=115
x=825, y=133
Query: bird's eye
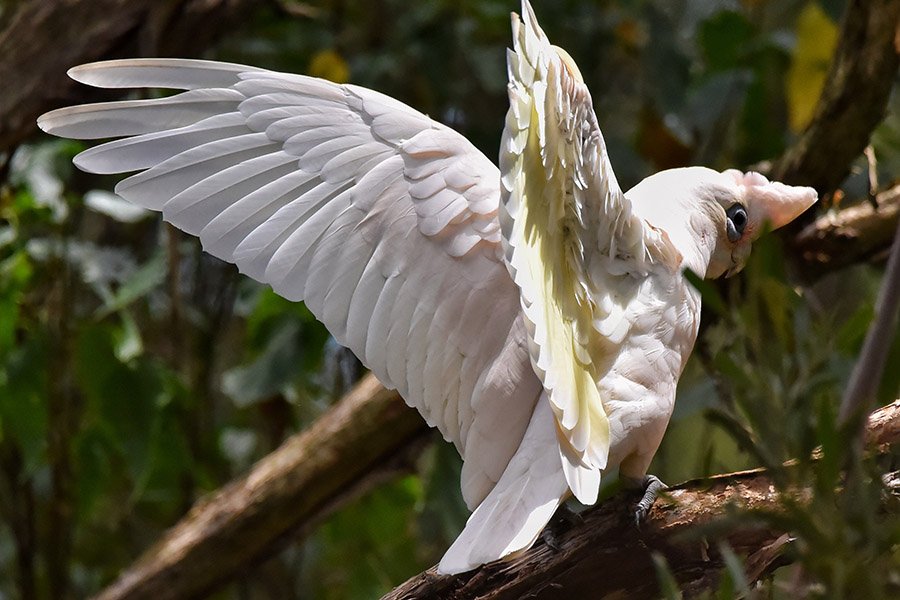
x=736, y=222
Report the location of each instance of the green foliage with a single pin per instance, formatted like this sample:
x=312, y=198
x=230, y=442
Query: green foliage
x=137, y=374
x=780, y=368
x=376, y=529
x=287, y=343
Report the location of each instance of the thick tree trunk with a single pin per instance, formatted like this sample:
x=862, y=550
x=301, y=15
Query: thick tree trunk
x=40, y=40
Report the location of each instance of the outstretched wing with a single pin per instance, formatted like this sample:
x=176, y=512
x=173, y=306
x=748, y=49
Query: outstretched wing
x=570, y=239
x=383, y=221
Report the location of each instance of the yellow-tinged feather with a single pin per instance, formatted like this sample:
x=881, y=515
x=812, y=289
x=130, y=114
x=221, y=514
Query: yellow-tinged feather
x=550, y=251
x=570, y=63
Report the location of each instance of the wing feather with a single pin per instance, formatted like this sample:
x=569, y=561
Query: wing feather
x=570, y=237
x=136, y=117
x=225, y=231
x=152, y=188
x=178, y=74
x=384, y=221
x=144, y=151
x=194, y=208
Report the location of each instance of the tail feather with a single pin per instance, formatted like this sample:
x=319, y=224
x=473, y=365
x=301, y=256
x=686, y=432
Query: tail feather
x=512, y=516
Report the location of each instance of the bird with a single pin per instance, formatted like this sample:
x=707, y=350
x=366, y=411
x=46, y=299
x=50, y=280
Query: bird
x=534, y=313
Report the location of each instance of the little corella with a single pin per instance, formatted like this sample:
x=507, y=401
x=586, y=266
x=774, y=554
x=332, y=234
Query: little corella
x=535, y=314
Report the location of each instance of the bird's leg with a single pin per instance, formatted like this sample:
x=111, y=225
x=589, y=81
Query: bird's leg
x=651, y=486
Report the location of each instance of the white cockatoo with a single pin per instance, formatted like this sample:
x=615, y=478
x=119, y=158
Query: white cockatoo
x=536, y=314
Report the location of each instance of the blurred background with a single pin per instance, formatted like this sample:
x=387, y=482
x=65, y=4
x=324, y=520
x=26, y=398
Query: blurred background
x=138, y=374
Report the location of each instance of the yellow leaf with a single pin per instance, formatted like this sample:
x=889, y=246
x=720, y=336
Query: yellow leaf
x=816, y=39
x=328, y=64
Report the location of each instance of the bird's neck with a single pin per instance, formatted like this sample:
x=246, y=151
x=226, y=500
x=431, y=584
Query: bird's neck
x=696, y=240
x=693, y=237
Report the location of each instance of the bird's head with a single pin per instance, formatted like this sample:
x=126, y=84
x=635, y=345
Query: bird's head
x=712, y=217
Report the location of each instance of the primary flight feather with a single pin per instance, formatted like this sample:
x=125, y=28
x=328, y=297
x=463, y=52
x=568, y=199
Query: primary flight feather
x=536, y=314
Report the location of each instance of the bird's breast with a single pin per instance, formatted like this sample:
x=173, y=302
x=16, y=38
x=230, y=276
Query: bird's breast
x=638, y=389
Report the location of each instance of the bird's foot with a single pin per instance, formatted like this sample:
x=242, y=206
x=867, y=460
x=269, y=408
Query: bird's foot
x=652, y=486
x=550, y=538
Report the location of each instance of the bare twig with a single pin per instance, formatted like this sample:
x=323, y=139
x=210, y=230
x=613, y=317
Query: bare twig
x=873, y=175
x=297, y=9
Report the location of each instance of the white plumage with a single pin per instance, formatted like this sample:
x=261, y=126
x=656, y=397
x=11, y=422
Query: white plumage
x=535, y=314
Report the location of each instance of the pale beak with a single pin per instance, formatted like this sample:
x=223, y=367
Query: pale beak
x=784, y=203
x=772, y=201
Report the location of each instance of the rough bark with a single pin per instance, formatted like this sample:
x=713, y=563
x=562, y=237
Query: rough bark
x=848, y=236
x=40, y=40
x=602, y=554
x=364, y=438
x=853, y=100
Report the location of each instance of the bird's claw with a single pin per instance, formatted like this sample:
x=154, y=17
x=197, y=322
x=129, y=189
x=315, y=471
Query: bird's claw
x=549, y=538
x=652, y=487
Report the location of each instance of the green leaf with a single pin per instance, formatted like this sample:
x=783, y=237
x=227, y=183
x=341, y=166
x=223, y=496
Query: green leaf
x=129, y=344
x=121, y=397
x=169, y=462
x=269, y=313
x=275, y=368
x=723, y=39
x=96, y=472
x=712, y=299
x=668, y=586
x=734, y=581
x=23, y=398
x=852, y=332
x=139, y=284
x=443, y=512
x=833, y=445
x=889, y=389
x=15, y=274
x=376, y=534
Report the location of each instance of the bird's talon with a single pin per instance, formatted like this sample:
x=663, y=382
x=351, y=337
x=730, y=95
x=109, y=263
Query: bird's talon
x=639, y=515
x=652, y=487
x=550, y=539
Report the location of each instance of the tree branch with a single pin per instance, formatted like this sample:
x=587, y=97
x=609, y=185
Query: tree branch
x=849, y=236
x=366, y=437
x=579, y=561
